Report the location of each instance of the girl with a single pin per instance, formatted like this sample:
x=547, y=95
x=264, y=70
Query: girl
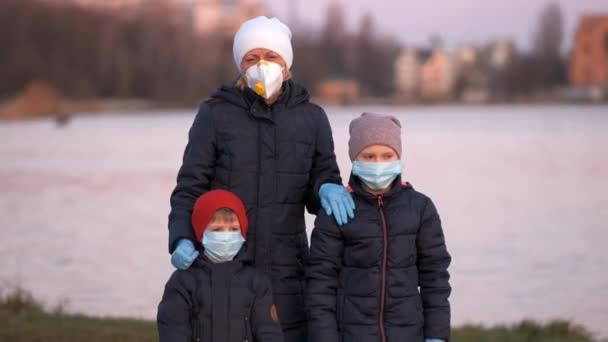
x=383, y=277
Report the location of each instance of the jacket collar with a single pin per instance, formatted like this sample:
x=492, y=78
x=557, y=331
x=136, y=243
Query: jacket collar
x=260, y=109
x=292, y=95
x=357, y=187
x=241, y=259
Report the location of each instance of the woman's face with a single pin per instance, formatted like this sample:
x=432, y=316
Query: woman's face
x=377, y=153
x=252, y=58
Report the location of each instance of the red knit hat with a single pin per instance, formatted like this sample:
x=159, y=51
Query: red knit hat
x=212, y=201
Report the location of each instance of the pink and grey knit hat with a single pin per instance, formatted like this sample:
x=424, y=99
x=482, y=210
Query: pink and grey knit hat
x=374, y=129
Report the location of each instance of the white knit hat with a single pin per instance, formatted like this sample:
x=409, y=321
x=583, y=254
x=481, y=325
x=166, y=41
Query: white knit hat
x=266, y=33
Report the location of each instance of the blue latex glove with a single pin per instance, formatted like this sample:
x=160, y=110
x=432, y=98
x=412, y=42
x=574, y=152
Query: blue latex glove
x=337, y=200
x=184, y=254
x=433, y=340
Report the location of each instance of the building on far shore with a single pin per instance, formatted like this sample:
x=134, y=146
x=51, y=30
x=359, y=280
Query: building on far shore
x=407, y=73
x=343, y=91
x=471, y=78
x=438, y=76
x=469, y=74
x=589, y=56
x=424, y=75
x=501, y=53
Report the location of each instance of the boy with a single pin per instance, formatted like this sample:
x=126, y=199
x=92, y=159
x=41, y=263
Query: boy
x=364, y=277
x=221, y=298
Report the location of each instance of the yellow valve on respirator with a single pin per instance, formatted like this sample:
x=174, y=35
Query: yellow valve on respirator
x=259, y=88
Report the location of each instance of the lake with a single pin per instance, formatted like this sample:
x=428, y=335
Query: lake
x=522, y=192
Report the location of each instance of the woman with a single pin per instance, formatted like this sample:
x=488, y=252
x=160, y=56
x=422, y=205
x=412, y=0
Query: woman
x=263, y=140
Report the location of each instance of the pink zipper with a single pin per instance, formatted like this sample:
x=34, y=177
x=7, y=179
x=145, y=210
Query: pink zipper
x=384, y=261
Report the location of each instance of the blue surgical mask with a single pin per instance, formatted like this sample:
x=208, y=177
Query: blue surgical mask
x=222, y=246
x=377, y=176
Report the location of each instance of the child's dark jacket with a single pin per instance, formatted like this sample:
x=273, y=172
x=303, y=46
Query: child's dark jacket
x=363, y=277
x=227, y=302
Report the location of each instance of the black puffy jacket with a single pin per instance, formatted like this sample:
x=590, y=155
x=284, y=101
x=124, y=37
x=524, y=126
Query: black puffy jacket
x=364, y=277
x=227, y=302
x=274, y=158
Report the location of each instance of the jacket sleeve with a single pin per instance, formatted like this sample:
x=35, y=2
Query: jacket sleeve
x=433, y=277
x=324, y=264
x=325, y=167
x=194, y=176
x=173, y=317
x=265, y=322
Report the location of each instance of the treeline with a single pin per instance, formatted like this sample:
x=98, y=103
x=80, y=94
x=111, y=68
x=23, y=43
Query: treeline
x=541, y=69
x=153, y=52
x=84, y=53
x=365, y=56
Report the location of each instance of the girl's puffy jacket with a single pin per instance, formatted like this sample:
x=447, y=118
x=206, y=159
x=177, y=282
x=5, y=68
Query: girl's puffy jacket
x=383, y=276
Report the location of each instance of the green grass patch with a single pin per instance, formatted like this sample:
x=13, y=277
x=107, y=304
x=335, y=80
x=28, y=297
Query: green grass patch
x=23, y=319
x=526, y=331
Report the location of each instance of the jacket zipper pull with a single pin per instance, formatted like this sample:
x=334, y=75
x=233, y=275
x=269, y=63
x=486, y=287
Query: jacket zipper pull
x=380, y=201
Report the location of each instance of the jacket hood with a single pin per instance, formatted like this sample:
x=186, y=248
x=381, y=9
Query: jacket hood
x=293, y=94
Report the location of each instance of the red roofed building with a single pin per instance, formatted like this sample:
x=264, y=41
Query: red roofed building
x=589, y=57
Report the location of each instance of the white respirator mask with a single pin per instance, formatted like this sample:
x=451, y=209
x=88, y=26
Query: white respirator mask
x=265, y=78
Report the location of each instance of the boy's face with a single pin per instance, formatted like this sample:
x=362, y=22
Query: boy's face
x=376, y=154
x=222, y=225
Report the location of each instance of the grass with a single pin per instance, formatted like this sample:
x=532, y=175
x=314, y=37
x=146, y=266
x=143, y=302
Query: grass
x=526, y=331
x=25, y=320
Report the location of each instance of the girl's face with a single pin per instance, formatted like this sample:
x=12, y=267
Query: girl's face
x=376, y=154
x=254, y=56
x=225, y=226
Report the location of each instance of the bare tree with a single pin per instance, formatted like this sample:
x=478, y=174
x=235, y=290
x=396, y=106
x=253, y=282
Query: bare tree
x=549, y=32
x=333, y=41
x=375, y=58
x=365, y=55
x=550, y=66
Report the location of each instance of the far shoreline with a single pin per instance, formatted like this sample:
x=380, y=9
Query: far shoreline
x=117, y=107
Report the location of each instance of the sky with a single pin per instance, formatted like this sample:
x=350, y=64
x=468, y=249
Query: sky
x=458, y=22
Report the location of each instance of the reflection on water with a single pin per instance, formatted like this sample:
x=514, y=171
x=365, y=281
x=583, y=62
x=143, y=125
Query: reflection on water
x=521, y=191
